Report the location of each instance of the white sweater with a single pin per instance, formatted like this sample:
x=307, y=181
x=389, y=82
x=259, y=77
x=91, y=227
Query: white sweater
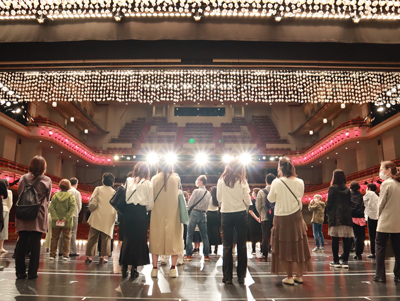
x=8, y=202
x=233, y=199
x=286, y=204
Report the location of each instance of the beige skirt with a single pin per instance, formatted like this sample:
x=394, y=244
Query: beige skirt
x=289, y=244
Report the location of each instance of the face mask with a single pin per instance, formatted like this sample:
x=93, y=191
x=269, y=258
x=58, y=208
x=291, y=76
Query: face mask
x=196, y=183
x=383, y=176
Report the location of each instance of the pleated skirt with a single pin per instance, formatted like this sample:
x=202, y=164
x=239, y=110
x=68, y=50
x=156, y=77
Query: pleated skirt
x=134, y=250
x=289, y=244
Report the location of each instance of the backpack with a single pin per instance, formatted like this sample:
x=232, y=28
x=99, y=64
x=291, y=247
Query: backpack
x=269, y=207
x=28, y=204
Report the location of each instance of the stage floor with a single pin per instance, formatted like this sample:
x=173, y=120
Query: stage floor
x=197, y=280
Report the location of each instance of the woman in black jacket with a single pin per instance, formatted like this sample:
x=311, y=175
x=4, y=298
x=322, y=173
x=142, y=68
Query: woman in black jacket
x=338, y=210
x=359, y=223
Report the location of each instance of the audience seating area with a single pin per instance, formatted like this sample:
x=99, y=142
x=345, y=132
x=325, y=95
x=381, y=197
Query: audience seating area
x=131, y=132
x=165, y=132
x=200, y=132
x=267, y=131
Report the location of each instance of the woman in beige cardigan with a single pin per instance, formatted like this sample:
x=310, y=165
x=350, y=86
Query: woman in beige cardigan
x=101, y=220
x=165, y=224
x=388, y=221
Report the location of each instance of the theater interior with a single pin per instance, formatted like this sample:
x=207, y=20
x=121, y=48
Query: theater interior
x=97, y=86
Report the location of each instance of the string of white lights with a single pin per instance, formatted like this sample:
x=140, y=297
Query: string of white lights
x=316, y=9
x=199, y=85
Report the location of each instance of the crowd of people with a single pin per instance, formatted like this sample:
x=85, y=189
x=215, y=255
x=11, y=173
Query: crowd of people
x=271, y=215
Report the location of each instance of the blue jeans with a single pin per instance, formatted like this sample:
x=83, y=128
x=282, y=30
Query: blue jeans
x=318, y=236
x=197, y=218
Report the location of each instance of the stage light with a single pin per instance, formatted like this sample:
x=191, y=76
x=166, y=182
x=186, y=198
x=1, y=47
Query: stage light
x=227, y=158
x=311, y=133
x=41, y=19
x=18, y=111
x=343, y=106
x=152, y=158
x=201, y=158
x=128, y=158
x=54, y=104
x=245, y=158
x=116, y=157
x=118, y=16
x=72, y=119
x=325, y=120
x=271, y=159
x=171, y=158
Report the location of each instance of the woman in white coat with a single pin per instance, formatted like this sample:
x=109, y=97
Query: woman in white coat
x=101, y=220
x=7, y=204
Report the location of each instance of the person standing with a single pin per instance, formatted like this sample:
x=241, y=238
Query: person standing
x=198, y=205
x=30, y=231
x=317, y=206
x=358, y=215
x=290, y=251
x=254, y=230
x=165, y=223
x=78, y=207
x=7, y=204
x=340, y=223
x=139, y=200
x=62, y=209
x=214, y=221
x=371, y=201
x=266, y=224
x=388, y=221
x=233, y=192
x=101, y=220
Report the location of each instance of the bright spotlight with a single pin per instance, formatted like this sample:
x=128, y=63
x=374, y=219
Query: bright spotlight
x=171, y=158
x=201, y=158
x=152, y=158
x=116, y=157
x=380, y=109
x=245, y=158
x=227, y=158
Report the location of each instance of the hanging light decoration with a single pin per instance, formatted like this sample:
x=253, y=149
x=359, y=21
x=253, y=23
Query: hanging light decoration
x=198, y=85
x=54, y=10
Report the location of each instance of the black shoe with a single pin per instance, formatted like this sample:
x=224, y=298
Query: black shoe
x=227, y=281
x=134, y=273
x=359, y=257
x=241, y=280
x=379, y=279
x=124, y=271
x=22, y=276
x=335, y=264
x=30, y=277
x=396, y=279
x=372, y=256
x=74, y=255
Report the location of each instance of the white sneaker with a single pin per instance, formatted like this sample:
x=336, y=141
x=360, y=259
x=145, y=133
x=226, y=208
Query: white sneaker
x=172, y=273
x=179, y=262
x=316, y=249
x=52, y=258
x=65, y=258
x=154, y=273
x=322, y=249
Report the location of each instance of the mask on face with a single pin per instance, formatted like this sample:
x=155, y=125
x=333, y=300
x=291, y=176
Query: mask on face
x=383, y=176
x=196, y=183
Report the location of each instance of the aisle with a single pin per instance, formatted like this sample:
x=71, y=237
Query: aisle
x=75, y=280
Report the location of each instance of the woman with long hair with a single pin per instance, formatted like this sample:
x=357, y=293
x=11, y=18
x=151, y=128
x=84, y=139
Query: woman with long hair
x=30, y=231
x=165, y=224
x=289, y=243
x=214, y=221
x=139, y=199
x=340, y=223
x=388, y=221
x=233, y=192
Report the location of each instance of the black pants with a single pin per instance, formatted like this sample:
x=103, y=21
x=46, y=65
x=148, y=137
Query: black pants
x=372, y=224
x=231, y=222
x=381, y=242
x=33, y=238
x=266, y=227
x=346, y=248
x=359, y=234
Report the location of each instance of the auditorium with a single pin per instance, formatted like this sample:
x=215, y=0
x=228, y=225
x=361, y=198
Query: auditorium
x=199, y=150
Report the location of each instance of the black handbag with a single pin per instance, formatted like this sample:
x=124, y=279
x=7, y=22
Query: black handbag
x=118, y=200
